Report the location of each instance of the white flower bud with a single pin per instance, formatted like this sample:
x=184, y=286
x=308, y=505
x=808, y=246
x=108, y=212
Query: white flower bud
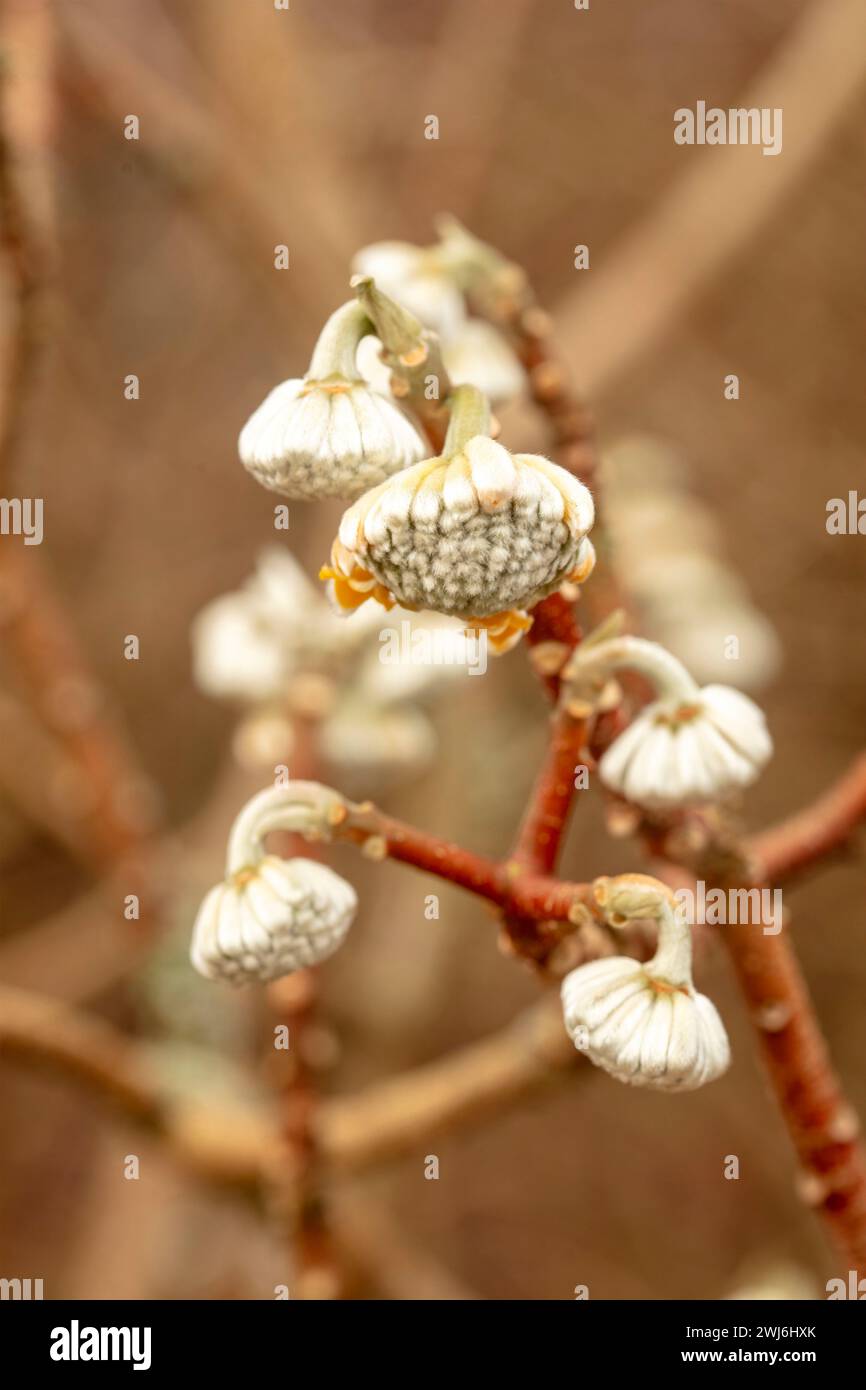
x=414, y=277
x=247, y=644
x=475, y=534
x=234, y=656
x=691, y=745
x=271, y=916
x=676, y=752
x=329, y=434
x=480, y=356
x=366, y=741
x=645, y=1024
x=265, y=921
x=331, y=438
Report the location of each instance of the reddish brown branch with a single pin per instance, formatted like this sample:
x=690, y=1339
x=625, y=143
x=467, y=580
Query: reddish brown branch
x=107, y=798
x=293, y=1001
x=383, y=1122
x=531, y=895
x=294, y=1004
x=539, y=840
x=546, y=818
x=815, y=832
x=383, y=837
x=510, y=305
x=110, y=800
x=555, y=631
x=822, y=1126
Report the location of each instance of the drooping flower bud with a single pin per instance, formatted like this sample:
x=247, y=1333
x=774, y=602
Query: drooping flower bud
x=645, y=1024
x=690, y=745
x=272, y=916
x=329, y=434
x=266, y=921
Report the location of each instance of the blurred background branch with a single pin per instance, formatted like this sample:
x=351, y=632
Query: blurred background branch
x=162, y=264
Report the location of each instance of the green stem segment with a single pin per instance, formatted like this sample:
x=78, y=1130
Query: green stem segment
x=401, y=334
x=470, y=416
x=337, y=345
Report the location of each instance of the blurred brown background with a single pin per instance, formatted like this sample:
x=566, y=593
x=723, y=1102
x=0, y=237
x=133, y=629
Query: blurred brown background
x=306, y=128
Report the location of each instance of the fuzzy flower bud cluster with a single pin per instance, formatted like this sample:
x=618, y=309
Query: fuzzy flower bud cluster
x=645, y=1024
x=477, y=533
x=271, y=916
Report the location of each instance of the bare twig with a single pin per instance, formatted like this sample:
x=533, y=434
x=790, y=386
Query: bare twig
x=821, y=1124
x=823, y=1128
x=823, y=828
x=504, y=884
x=244, y=1149
x=403, y=1114
x=298, y=1180
x=544, y=823
x=108, y=799
x=717, y=206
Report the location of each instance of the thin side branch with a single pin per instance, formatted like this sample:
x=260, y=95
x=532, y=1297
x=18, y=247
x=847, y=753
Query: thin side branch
x=821, y=829
x=505, y=884
x=400, y=1116
x=242, y=1151
x=107, y=796
x=716, y=208
x=822, y=1126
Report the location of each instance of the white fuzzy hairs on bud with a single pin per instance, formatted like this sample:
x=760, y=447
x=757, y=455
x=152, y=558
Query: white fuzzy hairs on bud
x=271, y=916
x=645, y=1024
x=329, y=434
x=690, y=745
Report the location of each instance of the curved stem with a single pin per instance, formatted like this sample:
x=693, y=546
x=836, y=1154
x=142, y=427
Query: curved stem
x=302, y=807
x=822, y=828
x=628, y=898
x=337, y=344
x=669, y=676
x=673, y=958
